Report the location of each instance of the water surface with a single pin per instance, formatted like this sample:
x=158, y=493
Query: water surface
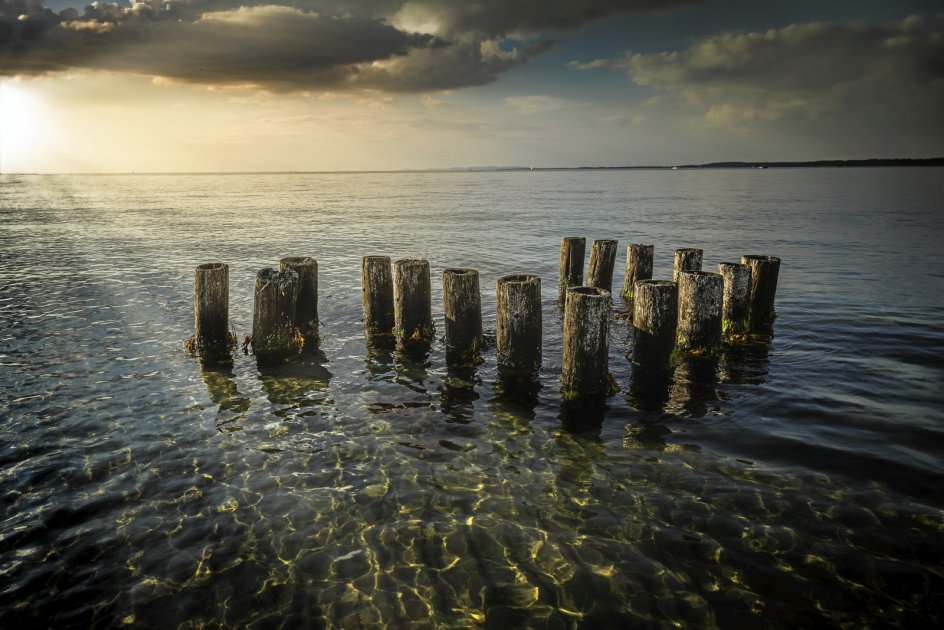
x=794, y=486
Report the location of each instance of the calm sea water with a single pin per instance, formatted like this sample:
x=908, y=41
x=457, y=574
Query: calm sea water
x=797, y=486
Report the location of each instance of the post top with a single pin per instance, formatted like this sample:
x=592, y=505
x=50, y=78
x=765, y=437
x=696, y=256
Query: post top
x=589, y=291
x=268, y=274
x=521, y=278
x=459, y=271
x=212, y=265
x=699, y=273
x=409, y=262
x=298, y=260
x=654, y=283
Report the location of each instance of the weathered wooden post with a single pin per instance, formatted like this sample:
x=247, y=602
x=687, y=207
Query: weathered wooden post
x=602, y=261
x=377, y=295
x=571, y=264
x=655, y=315
x=764, y=273
x=735, y=303
x=699, y=311
x=586, y=325
x=686, y=259
x=518, y=334
x=638, y=267
x=412, y=307
x=462, y=304
x=306, y=308
x=273, y=316
x=211, y=308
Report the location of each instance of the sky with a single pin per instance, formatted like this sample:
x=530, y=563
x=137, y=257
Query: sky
x=327, y=85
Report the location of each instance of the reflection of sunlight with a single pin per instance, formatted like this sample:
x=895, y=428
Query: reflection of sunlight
x=21, y=126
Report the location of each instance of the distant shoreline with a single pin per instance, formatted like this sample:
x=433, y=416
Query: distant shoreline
x=874, y=162
x=935, y=161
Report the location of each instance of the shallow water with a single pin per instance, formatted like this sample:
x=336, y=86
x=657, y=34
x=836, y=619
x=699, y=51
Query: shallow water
x=794, y=486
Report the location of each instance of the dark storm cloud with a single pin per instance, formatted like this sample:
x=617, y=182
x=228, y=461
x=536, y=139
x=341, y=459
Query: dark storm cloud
x=285, y=45
x=893, y=69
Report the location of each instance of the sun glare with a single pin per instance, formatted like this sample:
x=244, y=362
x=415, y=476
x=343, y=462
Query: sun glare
x=21, y=127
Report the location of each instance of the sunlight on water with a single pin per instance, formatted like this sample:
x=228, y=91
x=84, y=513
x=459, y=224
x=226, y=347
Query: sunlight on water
x=353, y=485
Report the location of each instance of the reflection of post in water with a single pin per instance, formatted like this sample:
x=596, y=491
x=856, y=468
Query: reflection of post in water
x=744, y=364
x=412, y=363
x=646, y=434
x=578, y=453
x=514, y=403
x=300, y=381
x=694, y=385
x=221, y=386
x=649, y=389
x=379, y=361
x=457, y=394
x=584, y=414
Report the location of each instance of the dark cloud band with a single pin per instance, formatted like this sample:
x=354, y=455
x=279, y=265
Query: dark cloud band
x=284, y=45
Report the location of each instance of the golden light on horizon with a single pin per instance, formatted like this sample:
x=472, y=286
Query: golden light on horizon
x=22, y=125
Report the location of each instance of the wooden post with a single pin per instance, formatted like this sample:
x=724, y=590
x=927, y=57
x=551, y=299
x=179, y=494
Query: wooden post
x=602, y=261
x=462, y=304
x=571, y=264
x=764, y=273
x=211, y=308
x=586, y=325
x=412, y=308
x=735, y=303
x=273, y=316
x=377, y=295
x=518, y=334
x=638, y=267
x=686, y=260
x=655, y=315
x=306, y=308
x=699, y=311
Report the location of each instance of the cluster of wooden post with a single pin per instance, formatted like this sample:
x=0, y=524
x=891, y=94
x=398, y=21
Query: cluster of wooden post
x=285, y=308
x=696, y=311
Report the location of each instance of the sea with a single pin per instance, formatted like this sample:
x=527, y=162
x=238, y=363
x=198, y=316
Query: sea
x=798, y=483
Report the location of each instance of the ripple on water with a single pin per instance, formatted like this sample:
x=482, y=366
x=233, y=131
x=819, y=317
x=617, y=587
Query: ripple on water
x=795, y=484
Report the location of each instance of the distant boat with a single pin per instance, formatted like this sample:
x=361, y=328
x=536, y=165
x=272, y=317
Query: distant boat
x=674, y=168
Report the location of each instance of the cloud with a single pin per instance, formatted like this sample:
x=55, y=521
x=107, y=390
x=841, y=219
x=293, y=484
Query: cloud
x=296, y=45
x=429, y=101
x=499, y=18
x=593, y=65
x=801, y=72
x=535, y=104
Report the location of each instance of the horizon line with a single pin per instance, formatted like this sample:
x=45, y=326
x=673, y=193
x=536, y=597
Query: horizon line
x=732, y=164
